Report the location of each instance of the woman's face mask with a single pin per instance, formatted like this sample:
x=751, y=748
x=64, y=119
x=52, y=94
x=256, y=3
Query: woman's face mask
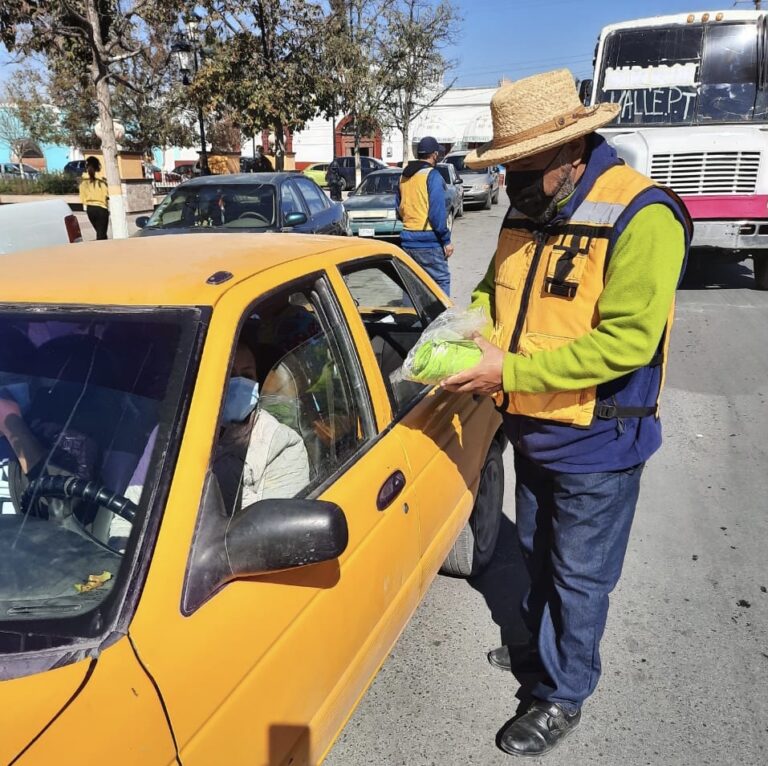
x=525, y=189
x=241, y=399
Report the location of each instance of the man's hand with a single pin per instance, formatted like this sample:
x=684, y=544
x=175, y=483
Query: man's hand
x=448, y=250
x=483, y=378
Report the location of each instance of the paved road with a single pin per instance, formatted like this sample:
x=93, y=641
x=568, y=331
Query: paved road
x=686, y=649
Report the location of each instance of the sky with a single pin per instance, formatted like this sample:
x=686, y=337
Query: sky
x=517, y=38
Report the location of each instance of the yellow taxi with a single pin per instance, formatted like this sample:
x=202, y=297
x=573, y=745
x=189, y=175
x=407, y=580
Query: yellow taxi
x=219, y=505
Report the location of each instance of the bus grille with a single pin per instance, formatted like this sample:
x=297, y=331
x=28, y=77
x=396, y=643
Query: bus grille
x=707, y=172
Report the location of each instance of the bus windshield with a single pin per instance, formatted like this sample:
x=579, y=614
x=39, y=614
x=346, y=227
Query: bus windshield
x=684, y=75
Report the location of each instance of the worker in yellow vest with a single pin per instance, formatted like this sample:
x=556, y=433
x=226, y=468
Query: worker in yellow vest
x=581, y=289
x=421, y=202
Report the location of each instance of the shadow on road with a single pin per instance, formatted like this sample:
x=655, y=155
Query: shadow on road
x=503, y=584
x=713, y=272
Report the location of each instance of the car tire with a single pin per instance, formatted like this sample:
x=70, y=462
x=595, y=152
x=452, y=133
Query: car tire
x=487, y=203
x=760, y=266
x=475, y=545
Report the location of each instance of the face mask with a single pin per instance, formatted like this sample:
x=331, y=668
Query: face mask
x=525, y=189
x=241, y=399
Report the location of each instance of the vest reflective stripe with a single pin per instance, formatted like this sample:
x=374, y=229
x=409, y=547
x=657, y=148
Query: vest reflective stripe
x=548, y=287
x=414, y=201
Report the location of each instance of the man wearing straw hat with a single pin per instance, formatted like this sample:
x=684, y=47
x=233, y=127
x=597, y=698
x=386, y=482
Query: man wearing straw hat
x=581, y=289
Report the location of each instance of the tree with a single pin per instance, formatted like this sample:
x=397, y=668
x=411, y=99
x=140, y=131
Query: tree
x=263, y=65
x=93, y=37
x=417, y=34
x=25, y=117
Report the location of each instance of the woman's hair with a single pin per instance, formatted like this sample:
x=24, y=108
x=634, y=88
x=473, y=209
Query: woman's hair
x=93, y=162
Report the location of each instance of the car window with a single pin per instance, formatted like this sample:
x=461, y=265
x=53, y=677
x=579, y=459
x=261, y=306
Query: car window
x=368, y=164
x=395, y=306
x=95, y=397
x=384, y=183
x=313, y=196
x=290, y=201
x=296, y=408
x=220, y=206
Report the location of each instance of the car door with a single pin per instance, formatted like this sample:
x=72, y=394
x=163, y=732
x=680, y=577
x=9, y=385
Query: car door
x=279, y=660
x=292, y=201
x=325, y=218
x=446, y=436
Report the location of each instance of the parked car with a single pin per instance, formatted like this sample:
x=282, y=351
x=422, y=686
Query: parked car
x=187, y=169
x=367, y=165
x=132, y=577
x=246, y=202
x=27, y=225
x=159, y=175
x=13, y=170
x=74, y=168
x=481, y=187
x=454, y=187
x=372, y=206
x=317, y=173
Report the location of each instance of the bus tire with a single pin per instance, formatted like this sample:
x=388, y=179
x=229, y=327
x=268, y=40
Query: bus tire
x=760, y=265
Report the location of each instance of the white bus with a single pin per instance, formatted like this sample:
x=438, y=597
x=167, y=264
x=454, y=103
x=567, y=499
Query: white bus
x=693, y=92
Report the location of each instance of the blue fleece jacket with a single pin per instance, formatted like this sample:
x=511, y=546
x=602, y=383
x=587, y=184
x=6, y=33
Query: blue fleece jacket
x=440, y=235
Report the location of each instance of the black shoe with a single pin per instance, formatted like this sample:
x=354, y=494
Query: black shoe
x=518, y=658
x=538, y=730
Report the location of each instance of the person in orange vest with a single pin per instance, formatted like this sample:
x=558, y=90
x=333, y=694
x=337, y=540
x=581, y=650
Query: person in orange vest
x=581, y=289
x=421, y=204
x=94, y=194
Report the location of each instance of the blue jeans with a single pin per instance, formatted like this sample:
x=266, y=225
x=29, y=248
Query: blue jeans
x=573, y=529
x=433, y=261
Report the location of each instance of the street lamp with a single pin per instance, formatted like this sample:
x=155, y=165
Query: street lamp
x=185, y=48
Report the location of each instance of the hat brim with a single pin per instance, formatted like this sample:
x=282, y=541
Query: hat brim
x=487, y=155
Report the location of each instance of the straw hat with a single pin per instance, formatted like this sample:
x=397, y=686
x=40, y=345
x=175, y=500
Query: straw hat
x=536, y=114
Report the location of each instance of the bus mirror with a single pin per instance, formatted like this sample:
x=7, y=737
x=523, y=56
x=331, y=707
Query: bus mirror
x=585, y=91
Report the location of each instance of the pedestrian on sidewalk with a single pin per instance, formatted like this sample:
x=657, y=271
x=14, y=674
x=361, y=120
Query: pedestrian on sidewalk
x=94, y=194
x=335, y=180
x=421, y=206
x=581, y=289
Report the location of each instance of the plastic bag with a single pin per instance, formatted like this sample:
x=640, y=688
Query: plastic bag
x=446, y=346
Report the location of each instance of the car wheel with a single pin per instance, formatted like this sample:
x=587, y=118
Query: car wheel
x=760, y=266
x=475, y=545
x=449, y=220
x=487, y=203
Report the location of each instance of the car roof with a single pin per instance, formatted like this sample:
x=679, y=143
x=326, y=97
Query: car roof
x=169, y=270
x=237, y=179
x=385, y=171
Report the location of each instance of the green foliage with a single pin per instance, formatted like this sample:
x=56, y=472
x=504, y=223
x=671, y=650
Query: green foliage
x=46, y=183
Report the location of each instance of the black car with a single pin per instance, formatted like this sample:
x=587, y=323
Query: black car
x=75, y=168
x=246, y=202
x=347, y=168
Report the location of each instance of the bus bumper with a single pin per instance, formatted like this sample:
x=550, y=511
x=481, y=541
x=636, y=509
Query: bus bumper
x=731, y=235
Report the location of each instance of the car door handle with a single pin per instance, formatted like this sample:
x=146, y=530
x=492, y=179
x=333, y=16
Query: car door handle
x=390, y=489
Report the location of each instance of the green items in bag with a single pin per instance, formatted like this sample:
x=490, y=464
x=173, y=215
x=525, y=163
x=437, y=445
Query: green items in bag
x=436, y=360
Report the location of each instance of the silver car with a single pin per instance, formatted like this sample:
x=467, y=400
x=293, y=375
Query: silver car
x=481, y=187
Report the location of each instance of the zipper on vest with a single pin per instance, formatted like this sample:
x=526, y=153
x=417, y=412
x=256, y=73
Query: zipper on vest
x=541, y=239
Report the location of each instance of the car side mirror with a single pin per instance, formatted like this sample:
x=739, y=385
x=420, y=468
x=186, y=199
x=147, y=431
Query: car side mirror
x=142, y=221
x=294, y=219
x=585, y=91
x=267, y=536
x=459, y=180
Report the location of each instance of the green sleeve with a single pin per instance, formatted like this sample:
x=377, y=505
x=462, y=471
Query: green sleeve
x=640, y=284
x=485, y=293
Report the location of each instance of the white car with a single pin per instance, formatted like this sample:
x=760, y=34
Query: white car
x=27, y=225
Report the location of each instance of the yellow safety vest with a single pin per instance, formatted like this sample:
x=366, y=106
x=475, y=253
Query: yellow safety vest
x=547, y=289
x=414, y=201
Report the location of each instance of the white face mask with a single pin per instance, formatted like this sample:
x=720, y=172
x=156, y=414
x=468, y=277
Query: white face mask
x=241, y=399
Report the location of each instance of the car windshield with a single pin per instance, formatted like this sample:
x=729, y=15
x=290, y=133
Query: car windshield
x=684, y=75
x=226, y=207
x=445, y=173
x=385, y=183
x=87, y=402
